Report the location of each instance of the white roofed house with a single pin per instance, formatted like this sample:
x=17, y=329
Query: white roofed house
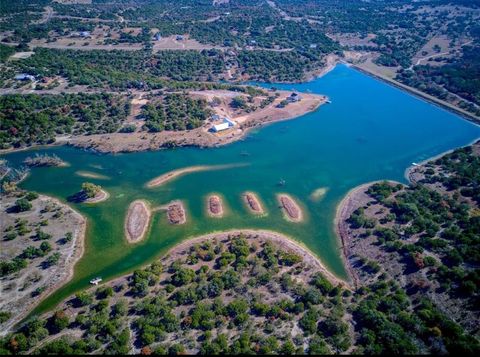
x=220, y=127
x=226, y=124
x=24, y=77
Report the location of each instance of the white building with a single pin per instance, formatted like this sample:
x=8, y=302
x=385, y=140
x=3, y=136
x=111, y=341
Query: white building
x=24, y=77
x=227, y=124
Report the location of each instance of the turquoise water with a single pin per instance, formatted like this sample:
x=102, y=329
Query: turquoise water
x=371, y=131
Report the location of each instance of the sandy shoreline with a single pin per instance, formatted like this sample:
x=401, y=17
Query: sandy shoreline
x=102, y=196
x=410, y=171
x=137, y=221
x=172, y=175
x=199, y=137
x=290, y=208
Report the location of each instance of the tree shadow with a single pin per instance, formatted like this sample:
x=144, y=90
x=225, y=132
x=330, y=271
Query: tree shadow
x=78, y=197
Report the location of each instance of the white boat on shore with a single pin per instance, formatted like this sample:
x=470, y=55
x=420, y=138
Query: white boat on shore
x=96, y=281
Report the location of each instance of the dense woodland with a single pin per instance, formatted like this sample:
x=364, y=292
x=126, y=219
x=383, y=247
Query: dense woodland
x=264, y=43
x=38, y=119
x=240, y=296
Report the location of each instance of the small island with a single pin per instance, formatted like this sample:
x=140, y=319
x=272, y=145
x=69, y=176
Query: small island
x=215, y=206
x=44, y=160
x=137, y=221
x=253, y=204
x=90, y=193
x=176, y=213
x=291, y=209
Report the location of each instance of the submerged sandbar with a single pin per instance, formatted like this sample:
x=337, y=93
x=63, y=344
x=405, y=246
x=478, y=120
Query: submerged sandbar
x=93, y=175
x=171, y=175
x=137, y=221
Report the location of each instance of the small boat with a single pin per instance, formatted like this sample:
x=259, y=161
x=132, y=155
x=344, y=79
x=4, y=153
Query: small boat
x=414, y=164
x=95, y=281
x=281, y=182
x=328, y=102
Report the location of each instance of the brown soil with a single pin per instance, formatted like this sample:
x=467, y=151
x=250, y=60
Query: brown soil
x=215, y=206
x=292, y=211
x=253, y=203
x=137, y=221
x=176, y=213
x=201, y=137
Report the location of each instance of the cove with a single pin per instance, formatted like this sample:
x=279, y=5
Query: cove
x=371, y=131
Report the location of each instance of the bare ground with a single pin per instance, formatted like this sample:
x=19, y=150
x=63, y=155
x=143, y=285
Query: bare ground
x=202, y=137
x=18, y=290
x=137, y=221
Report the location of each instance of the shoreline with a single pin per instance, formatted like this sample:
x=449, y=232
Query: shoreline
x=410, y=169
x=199, y=137
x=78, y=249
x=342, y=213
x=136, y=237
x=102, y=196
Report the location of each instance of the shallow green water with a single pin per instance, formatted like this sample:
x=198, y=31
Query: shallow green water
x=371, y=131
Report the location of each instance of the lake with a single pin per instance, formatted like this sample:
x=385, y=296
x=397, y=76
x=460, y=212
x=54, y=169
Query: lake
x=371, y=131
